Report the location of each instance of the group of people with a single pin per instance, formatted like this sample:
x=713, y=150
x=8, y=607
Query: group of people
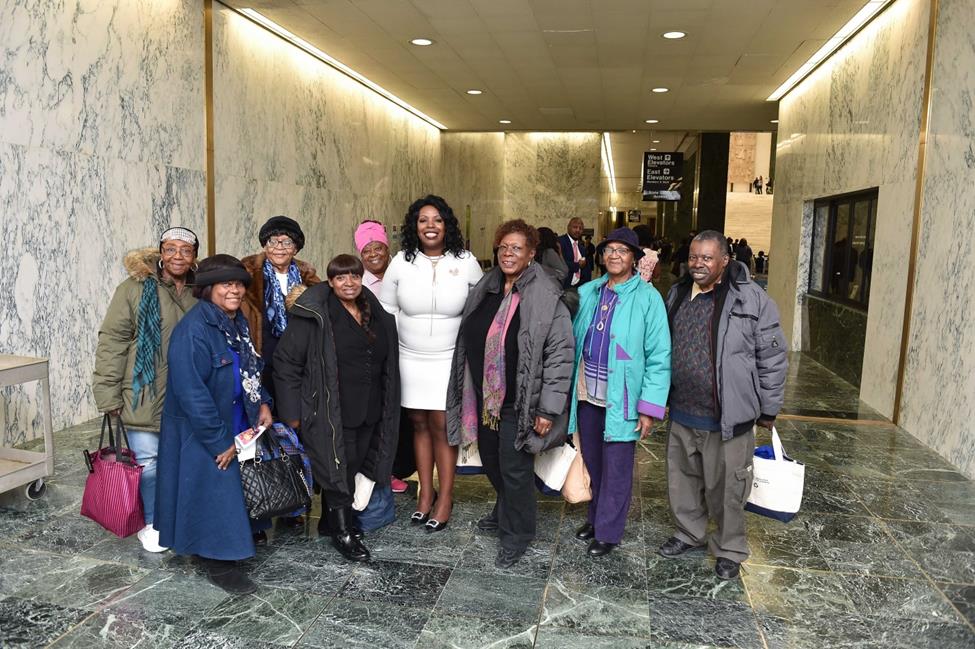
x=511, y=362
x=760, y=182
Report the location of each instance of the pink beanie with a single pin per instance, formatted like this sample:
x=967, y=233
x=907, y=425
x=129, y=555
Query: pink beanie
x=369, y=231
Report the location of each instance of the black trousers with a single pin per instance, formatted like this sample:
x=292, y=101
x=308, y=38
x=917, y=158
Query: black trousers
x=357, y=443
x=512, y=474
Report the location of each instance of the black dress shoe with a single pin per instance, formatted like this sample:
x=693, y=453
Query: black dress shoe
x=489, y=523
x=420, y=518
x=433, y=525
x=343, y=539
x=325, y=530
x=586, y=533
x=227, y=575
x=507, y=558
x=674, y=547
x=600, y=549
x=260, y=538
x=726, y=568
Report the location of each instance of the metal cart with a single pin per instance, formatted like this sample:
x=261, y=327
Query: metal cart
x=19, y=468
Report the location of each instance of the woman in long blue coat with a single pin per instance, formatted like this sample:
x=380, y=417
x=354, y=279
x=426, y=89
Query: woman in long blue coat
x=213, y=392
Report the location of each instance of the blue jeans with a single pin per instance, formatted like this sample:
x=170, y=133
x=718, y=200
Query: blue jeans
x=145, y=445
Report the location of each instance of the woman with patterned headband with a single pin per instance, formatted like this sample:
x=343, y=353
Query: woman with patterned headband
x=130, y=361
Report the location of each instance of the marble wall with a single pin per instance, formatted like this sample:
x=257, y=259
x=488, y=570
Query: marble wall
x=941, y=355
x=853, y=125
x=101, y=148
x=295, y=137
x=544, y=178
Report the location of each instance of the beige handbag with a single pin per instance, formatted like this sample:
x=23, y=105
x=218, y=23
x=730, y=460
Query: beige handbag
x=576, y=488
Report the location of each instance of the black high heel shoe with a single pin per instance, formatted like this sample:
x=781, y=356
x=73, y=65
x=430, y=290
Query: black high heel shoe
x=433, y=525
x=420, y=518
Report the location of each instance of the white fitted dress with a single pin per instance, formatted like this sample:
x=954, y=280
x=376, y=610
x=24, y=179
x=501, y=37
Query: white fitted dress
x=427, y=295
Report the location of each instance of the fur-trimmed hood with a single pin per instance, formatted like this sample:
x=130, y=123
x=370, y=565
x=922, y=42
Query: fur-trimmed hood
x=142, y=263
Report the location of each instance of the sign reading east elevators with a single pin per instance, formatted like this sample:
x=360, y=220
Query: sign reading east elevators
x=662, y=176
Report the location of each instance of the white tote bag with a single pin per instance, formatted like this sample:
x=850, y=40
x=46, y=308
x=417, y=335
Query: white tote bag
x=469, y=459
x=777, y=482
x=552, y=466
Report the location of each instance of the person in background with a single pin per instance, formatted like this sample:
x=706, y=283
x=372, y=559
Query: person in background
x=338, y=381
x=130, y=374
x=372, y=243
x=549, y=255
x=648, y=266
x=680, y=257
x=760, y=263
x=274, y=272
x=213, y=393
x=574, y=254
x=621, y=379
x=719, y=393
x=590, y=251
x=509, y=381
x=743, y=253
x=426, y=287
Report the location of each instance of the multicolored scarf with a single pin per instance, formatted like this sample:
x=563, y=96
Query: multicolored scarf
x=494, y=370
x=239, y=340
x=277, y=313
x=148, y=340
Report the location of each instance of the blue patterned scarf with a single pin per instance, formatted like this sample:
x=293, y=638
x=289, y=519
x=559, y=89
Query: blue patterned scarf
x=148, y=340
x=239, y=340
x=277, y=313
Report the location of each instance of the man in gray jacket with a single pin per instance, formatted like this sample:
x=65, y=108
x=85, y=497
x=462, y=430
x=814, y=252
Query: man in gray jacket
x=728, y=369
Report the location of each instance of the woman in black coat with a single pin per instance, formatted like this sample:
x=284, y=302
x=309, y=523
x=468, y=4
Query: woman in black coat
x=337, y=378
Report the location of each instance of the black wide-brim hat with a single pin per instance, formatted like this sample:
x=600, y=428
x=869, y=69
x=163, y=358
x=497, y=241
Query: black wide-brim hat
x=622, y=235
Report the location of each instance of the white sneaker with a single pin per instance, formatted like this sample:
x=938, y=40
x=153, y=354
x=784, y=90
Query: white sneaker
x=150, y=539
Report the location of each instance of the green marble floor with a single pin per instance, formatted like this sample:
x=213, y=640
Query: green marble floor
x=882, y=555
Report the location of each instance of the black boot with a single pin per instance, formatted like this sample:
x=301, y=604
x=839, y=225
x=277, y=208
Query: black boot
x=342, y=537
x=227, y=575
x=324, y=529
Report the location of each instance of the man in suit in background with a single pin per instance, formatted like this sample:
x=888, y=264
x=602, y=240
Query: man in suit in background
x=574, y=253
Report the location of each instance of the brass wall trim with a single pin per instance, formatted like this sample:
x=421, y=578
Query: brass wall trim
x=838, y=420
x=918, y=204
x=211, y=217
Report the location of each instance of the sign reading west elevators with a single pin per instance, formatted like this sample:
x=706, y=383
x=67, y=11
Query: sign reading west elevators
x=662, y=175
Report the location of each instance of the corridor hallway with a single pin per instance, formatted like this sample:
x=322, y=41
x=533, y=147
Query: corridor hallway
x=881, y=555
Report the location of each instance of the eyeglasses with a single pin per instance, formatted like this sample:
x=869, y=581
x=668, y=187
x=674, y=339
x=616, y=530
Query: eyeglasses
x=707, y=259
x=284, y=244
x=505, y=248
x=171, y=251
x=621, y=252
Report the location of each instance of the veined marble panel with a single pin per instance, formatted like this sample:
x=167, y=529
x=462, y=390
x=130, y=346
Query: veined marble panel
x=115, y=78
x=293, y=136
x=941, y=357
x=473, y=173
x=852, y=125
x=552, y=177
x=75, y=218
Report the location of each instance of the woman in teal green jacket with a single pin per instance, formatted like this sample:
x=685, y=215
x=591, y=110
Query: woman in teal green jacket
x=622, y=377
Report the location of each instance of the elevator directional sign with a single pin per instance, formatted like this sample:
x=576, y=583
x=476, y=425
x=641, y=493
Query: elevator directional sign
x=662, y=175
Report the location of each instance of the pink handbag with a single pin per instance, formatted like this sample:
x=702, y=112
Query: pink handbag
x=111, y=496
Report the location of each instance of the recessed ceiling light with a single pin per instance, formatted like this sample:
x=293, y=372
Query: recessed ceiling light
x=504, y=121
x=774, y=121
x=652, y=121
x=653, y=149
x=673, y=35
x=660, y=90
x=474, y=91
x=655, y=141
x=422, y=41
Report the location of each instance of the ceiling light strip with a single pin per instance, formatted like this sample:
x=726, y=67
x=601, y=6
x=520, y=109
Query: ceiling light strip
x=847, y=31
x=608, y=162
x=307, y=47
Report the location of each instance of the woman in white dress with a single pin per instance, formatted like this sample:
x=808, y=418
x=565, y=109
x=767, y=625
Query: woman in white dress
x=426, y=286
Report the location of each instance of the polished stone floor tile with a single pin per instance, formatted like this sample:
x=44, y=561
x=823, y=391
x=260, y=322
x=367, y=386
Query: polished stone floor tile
x=351, y=624
x=962, y=597
x=886, y=597
x=66, y=533
x=81, y=583
x=504, y=597
x=202, y=639
x=271, y=615
x=690, y=579
x=596, y=610
x=944, y=552
x=169, y=597
x=479, y=556
x=550, y=637
x=25, y=624
x=448, y=631
x=317, y=573
x=111, y=631
x=876, y=559
x=621, y=568
x=397, y=583
x=857, y=631
x=699, y=621
x=796, y=595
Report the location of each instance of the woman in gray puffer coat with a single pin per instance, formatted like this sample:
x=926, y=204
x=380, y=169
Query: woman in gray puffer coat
x=510, y=381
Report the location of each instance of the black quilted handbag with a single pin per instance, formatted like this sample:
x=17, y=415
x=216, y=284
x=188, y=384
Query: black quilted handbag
x=274, y=487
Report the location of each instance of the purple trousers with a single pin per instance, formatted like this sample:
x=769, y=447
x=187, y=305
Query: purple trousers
x=610, y=467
